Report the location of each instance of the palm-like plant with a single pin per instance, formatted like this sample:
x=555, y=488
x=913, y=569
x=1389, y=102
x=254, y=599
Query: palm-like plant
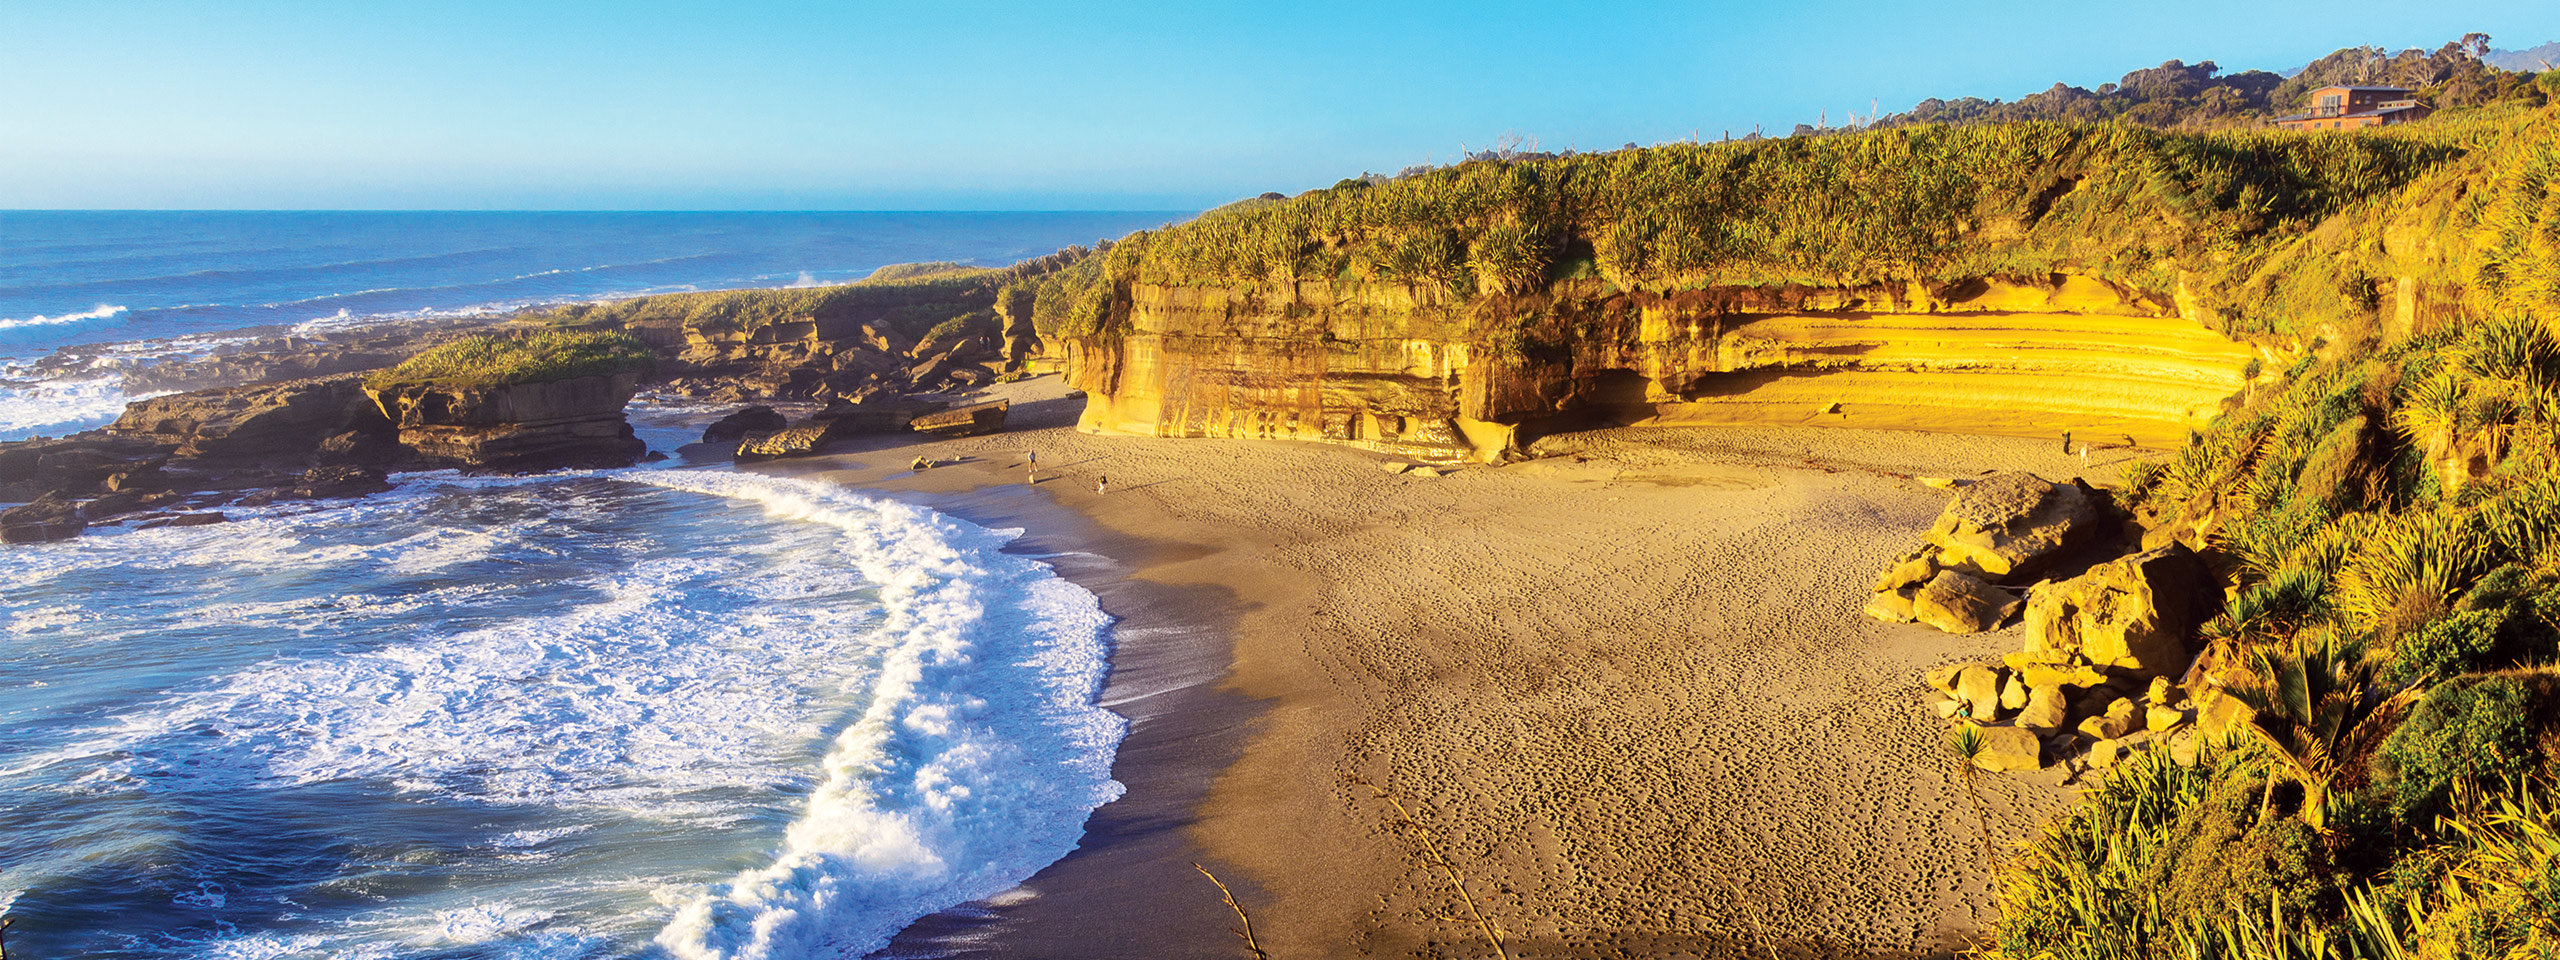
x=2315, y=708
x=2408, y=567
x=2431, y=414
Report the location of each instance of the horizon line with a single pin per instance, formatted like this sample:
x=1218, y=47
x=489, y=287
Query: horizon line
x=8, y=210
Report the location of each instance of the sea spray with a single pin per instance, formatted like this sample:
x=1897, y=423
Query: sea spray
x=975, y=763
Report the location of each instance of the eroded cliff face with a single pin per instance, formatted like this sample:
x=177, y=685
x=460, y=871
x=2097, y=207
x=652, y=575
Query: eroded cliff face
x=1413, y=372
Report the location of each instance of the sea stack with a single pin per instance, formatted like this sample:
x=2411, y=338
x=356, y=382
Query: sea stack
x=517, y=405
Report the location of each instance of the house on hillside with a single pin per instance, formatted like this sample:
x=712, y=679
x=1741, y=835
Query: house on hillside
x=2349, y=108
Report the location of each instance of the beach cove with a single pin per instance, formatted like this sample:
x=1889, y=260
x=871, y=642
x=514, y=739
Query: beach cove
x=1626, y=687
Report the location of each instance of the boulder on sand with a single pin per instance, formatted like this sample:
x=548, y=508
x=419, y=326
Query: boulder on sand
x=2008, y=749
x=1957, y=603
x=1978, y=688
x=804, y=439
x=2133, y=614
x=2012, y=526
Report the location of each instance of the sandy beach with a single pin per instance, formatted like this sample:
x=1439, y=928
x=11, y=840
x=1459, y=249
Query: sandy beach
x=1623, y=691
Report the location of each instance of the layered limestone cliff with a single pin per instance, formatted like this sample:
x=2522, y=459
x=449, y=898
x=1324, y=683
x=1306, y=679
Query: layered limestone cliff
x=1402, y=369
x=548, y=425
x=2026, y=279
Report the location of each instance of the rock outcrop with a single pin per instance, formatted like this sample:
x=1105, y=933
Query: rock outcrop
x=50, y=517
x=516, y=428
x=968, y=421
x=755, y=419
x=2096, y=658
x=2001, y=532
x=84, y=463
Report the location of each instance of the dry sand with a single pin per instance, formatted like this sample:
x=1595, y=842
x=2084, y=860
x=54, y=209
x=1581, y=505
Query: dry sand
x=1625, y=690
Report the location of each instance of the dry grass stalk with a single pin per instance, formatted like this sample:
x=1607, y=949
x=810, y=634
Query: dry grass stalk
x=1245, y=933
x=1439, y=857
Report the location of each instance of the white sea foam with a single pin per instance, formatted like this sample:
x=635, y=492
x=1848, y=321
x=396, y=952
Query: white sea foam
x=100, y=312
x=975, y=764
x=929, y=697
x=54, y=407
x=483, y=922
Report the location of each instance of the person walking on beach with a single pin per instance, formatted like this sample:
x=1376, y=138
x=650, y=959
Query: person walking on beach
x=1033, y=478
x=2066, y=443
x=1101, y=485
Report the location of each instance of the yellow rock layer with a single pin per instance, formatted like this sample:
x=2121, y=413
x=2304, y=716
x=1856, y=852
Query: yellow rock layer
x=1396, y=369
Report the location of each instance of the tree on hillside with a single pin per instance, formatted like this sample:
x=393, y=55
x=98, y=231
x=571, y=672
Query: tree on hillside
x=2180, y=94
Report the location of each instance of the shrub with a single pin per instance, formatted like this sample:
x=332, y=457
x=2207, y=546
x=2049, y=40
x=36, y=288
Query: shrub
x=2464, y=642
x=494, y=360
x=973, y=323
x=2087, y=885
x=2472, y=729
x=2222, y=862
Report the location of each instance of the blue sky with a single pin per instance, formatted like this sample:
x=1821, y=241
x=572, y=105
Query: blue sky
x=1008, y=105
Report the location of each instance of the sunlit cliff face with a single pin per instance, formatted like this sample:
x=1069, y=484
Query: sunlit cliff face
x=1383, y=367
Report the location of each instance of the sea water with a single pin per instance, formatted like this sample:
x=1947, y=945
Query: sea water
x=669, y=711
x=157, y=284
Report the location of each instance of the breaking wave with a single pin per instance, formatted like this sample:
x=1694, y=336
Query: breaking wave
x=975, y=763
x=100, y=312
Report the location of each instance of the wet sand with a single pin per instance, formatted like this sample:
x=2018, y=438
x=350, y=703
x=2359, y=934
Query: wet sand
x=1623, y=692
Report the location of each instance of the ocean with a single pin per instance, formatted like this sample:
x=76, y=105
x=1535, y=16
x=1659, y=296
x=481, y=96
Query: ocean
x=159, y=284
x=670, y=711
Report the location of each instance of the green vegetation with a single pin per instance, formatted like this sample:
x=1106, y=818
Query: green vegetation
x=2179, y=95
x=2169, y=860
x=2388, y=508
x=2236, y=217
x=934, y=269
x=906, y=304
x=498, y=360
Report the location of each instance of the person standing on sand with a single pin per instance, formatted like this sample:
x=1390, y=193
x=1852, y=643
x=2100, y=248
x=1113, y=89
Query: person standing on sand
x=1101, y=485
x=2066, y=443
x=1033, y=477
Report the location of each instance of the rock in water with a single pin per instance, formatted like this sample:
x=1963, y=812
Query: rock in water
x=1957, y=603
x=51, y=517
x=340, y=481
x=184, y=520
x=2133, y=614
x=31, y=468
x=265, y=422
x=2012, y=526
x=755, y=419
x=517, y=427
